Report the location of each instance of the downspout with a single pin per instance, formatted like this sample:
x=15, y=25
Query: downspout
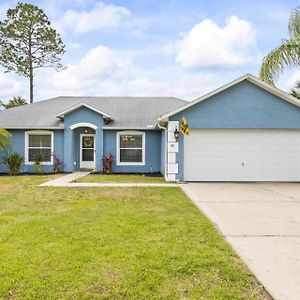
x=166, y=145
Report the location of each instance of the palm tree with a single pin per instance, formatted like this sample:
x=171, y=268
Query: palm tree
x=296, y=90
x=4, y=139
x=286, y=55
x=16, y=101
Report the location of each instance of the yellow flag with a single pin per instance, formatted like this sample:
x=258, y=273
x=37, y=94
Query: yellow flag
x=184, y=128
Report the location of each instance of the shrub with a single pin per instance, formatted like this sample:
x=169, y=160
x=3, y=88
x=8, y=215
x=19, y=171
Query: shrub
x=37, y=164
x=14, y=162
x=107, y=164
x=57, y=163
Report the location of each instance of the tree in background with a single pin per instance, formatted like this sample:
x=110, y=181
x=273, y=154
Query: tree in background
x=16, y=101
x=29, y=42
x=286, y=55
x=296, y=90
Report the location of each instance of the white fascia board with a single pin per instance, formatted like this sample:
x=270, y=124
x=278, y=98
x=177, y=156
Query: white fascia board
x=34, y=128
x=62, y=114
x=128, y=128
x=251, y=78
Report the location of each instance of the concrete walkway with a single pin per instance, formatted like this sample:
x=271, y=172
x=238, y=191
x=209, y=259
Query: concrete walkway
x=68, y=181
x=261, y=221
x=65, y=179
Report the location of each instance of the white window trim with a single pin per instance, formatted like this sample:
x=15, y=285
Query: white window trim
x=143, y=148
x=38, y=132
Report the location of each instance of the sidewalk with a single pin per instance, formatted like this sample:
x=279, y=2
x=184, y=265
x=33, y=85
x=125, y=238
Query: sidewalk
x=67, y=181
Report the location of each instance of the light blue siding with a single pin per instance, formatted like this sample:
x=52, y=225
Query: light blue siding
x=71, y=137
x=162, y=152
x=152, y=153
x=242, y=106
x=18, y=145
x=180, y=158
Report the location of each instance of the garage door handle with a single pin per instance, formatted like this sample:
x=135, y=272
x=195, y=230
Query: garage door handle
x=242, y=164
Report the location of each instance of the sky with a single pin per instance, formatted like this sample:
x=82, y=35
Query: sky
x=155, y=48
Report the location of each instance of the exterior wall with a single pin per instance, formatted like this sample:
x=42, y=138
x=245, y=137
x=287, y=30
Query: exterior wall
x=71, y=141
x=152, y=152
x=162, y=152
x=243, y=106
x=18, y=145
x=180, y=158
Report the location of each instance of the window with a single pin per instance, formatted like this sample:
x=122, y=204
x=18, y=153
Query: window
x=39, y=143
x=131, y=148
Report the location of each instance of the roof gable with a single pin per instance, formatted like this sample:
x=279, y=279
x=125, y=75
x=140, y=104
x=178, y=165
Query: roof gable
x=80, y=105
x=249, y=77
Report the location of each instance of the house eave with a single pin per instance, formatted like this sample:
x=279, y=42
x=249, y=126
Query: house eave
x=129, y=128
x=34, y=127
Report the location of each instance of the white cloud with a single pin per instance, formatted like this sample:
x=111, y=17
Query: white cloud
x=10, y=86
x=3, y=9
x=117, y=76
x=209, y=45
x=293, y=79
x=168, y=82
x=100, y=67
x=99, y=17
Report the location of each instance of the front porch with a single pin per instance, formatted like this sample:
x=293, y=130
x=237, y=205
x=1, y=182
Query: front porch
x=83, y=148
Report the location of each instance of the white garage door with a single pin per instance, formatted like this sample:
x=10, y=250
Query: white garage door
x=242, y=155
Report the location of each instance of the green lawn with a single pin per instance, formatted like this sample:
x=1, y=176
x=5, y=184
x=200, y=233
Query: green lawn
x=112, y=243
x=120, y=178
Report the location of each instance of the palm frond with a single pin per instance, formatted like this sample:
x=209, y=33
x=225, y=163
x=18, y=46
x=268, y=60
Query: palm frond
x=294, y=23
x=286, y=55
x=297, y=84
x=4, y=139
x=295, y=93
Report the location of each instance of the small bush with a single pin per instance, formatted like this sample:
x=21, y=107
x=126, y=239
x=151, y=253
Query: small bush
x=14, y=162
x=57, y=163
x=37, y=164
x=107, y=164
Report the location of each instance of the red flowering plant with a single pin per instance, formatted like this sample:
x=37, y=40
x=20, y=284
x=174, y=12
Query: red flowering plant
x=57, y=163
x=107, y=164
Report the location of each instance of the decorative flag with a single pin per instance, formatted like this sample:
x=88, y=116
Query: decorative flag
x=184, y=128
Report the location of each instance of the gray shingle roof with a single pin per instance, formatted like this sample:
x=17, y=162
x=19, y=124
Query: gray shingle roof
x=126, y=112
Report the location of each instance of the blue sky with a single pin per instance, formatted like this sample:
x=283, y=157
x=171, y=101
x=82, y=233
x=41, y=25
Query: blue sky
x=152, y=48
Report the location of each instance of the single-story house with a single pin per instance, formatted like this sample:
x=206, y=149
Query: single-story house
x=246, y=130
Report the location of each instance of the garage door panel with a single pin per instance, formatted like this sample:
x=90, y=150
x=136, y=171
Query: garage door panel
x=242, y=155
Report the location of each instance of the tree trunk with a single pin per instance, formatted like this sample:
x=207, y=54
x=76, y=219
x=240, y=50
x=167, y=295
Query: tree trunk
x=30, y=72
x=31, y=85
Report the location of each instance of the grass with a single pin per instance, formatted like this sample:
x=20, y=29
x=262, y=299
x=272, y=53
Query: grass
x=116, y=243
x=120, y=178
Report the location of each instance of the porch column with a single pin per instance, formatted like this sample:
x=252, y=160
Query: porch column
x=99, y=149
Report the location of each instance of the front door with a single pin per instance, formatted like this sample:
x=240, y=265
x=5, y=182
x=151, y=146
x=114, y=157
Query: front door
x=87, y=151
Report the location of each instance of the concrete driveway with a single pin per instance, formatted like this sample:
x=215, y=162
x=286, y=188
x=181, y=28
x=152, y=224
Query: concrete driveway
x=262, y=223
